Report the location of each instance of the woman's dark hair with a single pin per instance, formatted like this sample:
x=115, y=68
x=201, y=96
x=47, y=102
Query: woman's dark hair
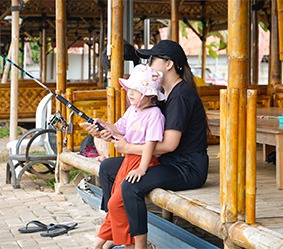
x=186, y=74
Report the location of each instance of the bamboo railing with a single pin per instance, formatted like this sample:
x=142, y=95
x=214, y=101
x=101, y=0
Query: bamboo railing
x=251, y=157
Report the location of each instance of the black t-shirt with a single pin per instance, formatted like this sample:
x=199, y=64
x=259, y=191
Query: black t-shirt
x=184, y=111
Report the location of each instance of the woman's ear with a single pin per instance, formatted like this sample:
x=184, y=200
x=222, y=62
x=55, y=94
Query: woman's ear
x=169, y=64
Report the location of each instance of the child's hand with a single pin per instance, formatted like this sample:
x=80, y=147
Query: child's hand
x=91, y=128
x=135, y=175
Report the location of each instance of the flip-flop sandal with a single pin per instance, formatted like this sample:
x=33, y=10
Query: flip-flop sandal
x=58, y=229
x=33, y=226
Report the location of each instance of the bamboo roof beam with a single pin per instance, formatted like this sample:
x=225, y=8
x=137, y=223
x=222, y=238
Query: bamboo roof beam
x=8, y=11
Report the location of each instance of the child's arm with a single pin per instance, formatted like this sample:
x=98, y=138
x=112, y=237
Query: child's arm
x=109, y=129
x=136, y=174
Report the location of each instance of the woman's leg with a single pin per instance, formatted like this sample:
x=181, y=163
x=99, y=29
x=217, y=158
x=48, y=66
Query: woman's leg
x=133, y=194
x=141, y=241
x=160, y=176
x=107, y=174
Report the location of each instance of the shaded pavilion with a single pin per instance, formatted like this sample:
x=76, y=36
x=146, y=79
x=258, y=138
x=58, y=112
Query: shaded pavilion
x=215, y=15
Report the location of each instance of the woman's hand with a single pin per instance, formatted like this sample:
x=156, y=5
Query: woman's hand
x=135, y=175
x=120, y=144
x=106, y=134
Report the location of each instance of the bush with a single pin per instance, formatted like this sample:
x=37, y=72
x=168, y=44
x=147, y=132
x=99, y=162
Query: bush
x=5, y=132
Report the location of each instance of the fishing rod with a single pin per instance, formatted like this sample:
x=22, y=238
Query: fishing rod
x=58, y=96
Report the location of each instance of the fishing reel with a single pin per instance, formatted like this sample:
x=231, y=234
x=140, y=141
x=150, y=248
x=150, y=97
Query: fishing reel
x=58, y=123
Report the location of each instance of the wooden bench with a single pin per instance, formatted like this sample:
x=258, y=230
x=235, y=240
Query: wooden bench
x=268, y=133
x=197, y=213
x=210, y=96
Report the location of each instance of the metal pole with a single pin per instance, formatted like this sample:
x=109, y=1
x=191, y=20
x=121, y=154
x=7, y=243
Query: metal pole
x=146, y=33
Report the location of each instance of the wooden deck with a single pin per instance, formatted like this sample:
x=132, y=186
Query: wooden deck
x=269, y=200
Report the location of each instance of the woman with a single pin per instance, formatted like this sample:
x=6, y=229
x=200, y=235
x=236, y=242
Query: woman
x=184, y=160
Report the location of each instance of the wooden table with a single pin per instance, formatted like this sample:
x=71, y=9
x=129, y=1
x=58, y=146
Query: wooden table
x=268, y=131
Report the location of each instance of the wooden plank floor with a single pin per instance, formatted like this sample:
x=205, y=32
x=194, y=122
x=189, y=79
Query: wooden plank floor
x=269, y=200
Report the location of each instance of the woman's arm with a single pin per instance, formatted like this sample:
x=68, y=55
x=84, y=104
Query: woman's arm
x=147, y=152
x=170, y=143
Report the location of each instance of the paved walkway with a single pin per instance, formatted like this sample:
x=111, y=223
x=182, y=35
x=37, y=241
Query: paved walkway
x=36, y=201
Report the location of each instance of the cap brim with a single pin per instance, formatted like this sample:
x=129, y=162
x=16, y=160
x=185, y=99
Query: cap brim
x=145, y=53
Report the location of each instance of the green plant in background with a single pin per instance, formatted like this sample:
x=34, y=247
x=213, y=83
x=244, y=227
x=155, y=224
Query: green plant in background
x=213, y=47
x=5, y=132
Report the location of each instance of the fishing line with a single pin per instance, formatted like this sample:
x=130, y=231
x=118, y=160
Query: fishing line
x=57, y=96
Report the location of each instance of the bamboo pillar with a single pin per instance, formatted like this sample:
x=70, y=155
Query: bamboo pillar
x=14, y=72
x=203, y=49
x=254, y=52
x=238, y=78
x=116, y=61
x=43, y=52
x=251, y=157
x=7, y=67
x=175, y=20
x=223, y=118
x=22, y=55
x=70, y=142
x=280, y=26
x=89, y=44
x=83, y=62
x=94, y=58
x=117, y=53
x=274, y=64
x=61, y=45
x=111, y=114
x=61, y=63
x=231, y=177
x=101, y=46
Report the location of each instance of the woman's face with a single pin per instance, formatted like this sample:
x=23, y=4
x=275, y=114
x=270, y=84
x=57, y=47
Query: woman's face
x=158, y=63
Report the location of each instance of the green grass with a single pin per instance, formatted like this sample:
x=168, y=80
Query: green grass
x=5, y=132
x=73, y=174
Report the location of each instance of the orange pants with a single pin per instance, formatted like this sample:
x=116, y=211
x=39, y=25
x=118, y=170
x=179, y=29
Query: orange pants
x=116, y=226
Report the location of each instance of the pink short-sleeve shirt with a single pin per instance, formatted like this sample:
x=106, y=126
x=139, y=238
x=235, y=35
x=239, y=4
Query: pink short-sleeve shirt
x=141, y=127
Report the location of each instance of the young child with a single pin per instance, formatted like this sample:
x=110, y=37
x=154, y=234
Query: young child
x=142, y=123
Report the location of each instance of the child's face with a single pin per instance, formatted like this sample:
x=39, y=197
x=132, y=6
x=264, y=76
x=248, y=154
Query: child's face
x=134, y=96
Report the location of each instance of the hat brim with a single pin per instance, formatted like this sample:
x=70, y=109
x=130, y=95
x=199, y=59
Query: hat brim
x=124, y=83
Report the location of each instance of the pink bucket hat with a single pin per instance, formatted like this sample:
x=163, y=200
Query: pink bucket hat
x=145, y=80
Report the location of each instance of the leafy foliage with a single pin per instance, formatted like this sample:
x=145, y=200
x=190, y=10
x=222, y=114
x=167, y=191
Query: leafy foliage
x=5, y=132
x=213, y=47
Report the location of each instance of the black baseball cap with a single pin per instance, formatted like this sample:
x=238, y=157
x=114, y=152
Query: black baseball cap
x=168, y=48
